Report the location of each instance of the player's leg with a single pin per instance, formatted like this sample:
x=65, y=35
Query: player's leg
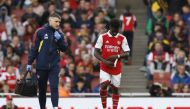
x=130, y=42
x=42, y=76
x=54, y=81
x=104, y=83
x=115, y=84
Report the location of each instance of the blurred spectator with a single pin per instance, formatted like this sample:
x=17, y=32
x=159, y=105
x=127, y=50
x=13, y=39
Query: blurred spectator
x=178, y=39
x=180, y=58
x=158, y=17
x=180, y=78
x=10, y=53
x=186, y=14
x=148, y=4
x=29, y=16
x=83, y=34
x=66, y=18
x=65, y=5
x=99, y=28
x=129, y=24
x=71, y=70
x=112, y=3
x=157, y=90
x=176, y=18
x=9, y=5
x=9, y=77
x=86, y=62
x=158, y=59
x=80, y=87
x=17, y=45
x=103, y=17
x=37, y=7
x=15, y=23
x=85, y=76
x=51, y=9
x=1, y=55
x=9, y=103
x=83, y=19
x=188, y=63
x=4, y=17
x=83, y=48
x=80, y=8
x=159, y=65
x=158, y=47
x=175, y=5
x=64, y=86
x=158, y=37
x=27, y=37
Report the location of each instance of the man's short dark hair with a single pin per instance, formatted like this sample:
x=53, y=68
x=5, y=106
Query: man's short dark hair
x=115, y=23
x=55, y=15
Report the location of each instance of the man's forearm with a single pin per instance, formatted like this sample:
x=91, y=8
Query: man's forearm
x=123, y=55
x=97, y=54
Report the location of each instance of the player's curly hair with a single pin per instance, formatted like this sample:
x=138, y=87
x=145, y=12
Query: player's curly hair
x=115, y=23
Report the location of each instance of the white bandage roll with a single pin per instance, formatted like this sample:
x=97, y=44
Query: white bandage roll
x=115, y=63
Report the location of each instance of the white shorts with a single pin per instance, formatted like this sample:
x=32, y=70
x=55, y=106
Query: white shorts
x=115, y=79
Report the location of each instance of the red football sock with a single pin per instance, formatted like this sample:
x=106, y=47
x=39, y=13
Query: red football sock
x=103, y=95
x=115, y=99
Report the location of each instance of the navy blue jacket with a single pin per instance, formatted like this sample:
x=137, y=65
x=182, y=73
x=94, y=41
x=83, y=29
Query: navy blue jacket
x=46, y=48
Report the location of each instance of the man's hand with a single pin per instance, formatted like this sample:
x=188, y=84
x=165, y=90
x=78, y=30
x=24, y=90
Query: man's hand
x=29, y=68
x=112, y=58
x=108, y=63
x=57, y=35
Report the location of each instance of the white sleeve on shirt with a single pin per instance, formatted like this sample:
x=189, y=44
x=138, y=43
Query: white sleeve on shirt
x=121, y=18
x=135, y=19
x=99, y=42
x=125, y=45
x=167, y=57
x=150, y=56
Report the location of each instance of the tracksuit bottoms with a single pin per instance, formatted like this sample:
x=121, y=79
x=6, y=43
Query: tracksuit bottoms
x=53, y=76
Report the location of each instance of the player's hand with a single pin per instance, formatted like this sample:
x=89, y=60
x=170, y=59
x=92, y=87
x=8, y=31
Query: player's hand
x=57, y=35
x=112, y=58
x=108, y=63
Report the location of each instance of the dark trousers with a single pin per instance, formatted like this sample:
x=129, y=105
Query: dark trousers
x=129, y=36
x=53, y=77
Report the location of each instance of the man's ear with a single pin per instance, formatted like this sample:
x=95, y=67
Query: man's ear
x=49, y=19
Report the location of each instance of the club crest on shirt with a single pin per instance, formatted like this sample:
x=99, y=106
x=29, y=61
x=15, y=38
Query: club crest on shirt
x=46, y=36
x=107, y=42
x=118, y=42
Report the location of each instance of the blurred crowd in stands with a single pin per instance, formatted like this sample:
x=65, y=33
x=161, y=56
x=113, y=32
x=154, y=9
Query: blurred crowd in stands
x=168, y=49
x=82, y=21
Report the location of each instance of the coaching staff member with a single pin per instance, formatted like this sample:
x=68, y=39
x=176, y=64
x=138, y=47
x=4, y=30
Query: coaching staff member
x=47, y=42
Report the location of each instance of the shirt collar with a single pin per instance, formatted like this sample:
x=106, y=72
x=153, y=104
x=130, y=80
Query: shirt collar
x=49, y=27
x=111, y=35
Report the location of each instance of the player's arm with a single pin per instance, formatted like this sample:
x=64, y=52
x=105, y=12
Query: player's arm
x=97, y=54
x=35, y=46
x=125, y=48
x=119, y=56
x=125, y=53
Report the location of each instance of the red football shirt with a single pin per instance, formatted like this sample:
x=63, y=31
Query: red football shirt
x=111, y=45
x=128, y=22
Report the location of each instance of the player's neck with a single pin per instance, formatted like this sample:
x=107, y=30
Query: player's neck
x=113, y=34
